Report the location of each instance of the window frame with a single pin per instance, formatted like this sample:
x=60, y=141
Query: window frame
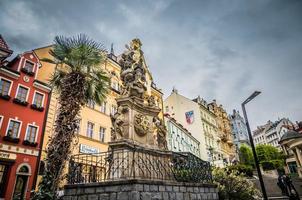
x=103, y=108
x=28, y=90
x=33, y=100
x=11, y=84
x=37, y=132
x=93, y=124
x=103, y=128
x=34, y=64
x=91, y=102
x=20, y=127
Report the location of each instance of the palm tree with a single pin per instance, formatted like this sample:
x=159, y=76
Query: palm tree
x=78, y=81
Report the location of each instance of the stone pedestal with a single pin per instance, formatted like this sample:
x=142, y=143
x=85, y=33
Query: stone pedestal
x=141, y=189
x=135, y=122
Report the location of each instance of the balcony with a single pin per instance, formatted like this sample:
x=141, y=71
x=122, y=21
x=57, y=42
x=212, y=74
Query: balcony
x=29, y=143
x=9, y=138
x=35, y=107
x=5, y=97
x=20, y=102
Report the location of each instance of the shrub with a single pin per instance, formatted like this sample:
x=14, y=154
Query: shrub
x=271, y=165
x=233, y=185
x=242, y=169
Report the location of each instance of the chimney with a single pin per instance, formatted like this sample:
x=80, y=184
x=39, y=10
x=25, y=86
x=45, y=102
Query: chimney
x=174, y=90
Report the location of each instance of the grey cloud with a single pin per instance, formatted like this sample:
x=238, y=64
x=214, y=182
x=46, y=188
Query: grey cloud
x=218, y=49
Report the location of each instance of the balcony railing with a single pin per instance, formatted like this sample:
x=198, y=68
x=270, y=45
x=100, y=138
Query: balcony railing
x=138, y=164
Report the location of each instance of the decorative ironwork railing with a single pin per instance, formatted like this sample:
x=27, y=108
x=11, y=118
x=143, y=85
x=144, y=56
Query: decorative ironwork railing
x=138, y=164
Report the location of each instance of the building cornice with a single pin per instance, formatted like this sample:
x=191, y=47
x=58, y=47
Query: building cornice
x=9, y=72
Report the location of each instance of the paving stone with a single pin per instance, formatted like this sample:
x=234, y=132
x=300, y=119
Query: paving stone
x=169, y=188
x=114, y=188
x=154, y=188
x=93, y=197
x=69, y=197
x=179, y=196
x=123, y=196
x=112, y=196
x=104, y=197
x=182, y=189
x=82, y=197
x=138, y=187
x=190, y=189
x=146, y=188
x=172, y=195
x=175, y=188
x=145, y=195
x=125, y=188
x=90, y=190
x=72, y=191
x=165, y=196
x=187, y=196
x=134, y=195
x=100, y=190
x=156, y=196
x=161, y=188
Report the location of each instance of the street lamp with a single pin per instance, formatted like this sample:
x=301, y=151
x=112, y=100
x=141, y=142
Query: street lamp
x=256, y=93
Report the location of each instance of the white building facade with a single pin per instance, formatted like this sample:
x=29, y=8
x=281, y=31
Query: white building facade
x=272, y=132
x=180, y=139
x=187, y=113
x=239, y=130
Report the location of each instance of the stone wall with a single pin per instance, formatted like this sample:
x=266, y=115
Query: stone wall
x=141, y=190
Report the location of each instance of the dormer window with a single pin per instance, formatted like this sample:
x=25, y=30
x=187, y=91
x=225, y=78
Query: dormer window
x=28, y=68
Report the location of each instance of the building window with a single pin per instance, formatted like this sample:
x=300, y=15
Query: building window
x=102, y=134
x=29, y=66
x=22, y=93
x=91, y=104
x=5, y=86
x=13, y=129
x=103, y=107
x=38, y=99
x=31, y=133
x=113, y=110
x=90, y=129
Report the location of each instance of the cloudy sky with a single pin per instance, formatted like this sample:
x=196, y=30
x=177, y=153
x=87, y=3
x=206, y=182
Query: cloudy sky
x=220, y=50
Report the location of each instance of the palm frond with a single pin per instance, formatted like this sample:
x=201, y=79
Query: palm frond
x=48, y=60
x=97, y=85
x=56, y=78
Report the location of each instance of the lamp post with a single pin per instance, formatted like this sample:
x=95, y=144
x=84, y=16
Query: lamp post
x=256, y=93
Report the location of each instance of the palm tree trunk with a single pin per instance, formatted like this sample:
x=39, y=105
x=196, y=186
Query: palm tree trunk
x=59, y=149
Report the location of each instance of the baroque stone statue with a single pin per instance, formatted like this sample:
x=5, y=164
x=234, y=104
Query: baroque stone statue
x=161, y=132
x=133, y=72
x=117, y=121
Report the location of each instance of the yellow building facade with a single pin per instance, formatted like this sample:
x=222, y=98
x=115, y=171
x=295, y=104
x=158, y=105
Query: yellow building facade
x=95, y=124
x=225, y=138
x=210, y=130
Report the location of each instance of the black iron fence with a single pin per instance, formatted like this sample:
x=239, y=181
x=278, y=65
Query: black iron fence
x=138, y=164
